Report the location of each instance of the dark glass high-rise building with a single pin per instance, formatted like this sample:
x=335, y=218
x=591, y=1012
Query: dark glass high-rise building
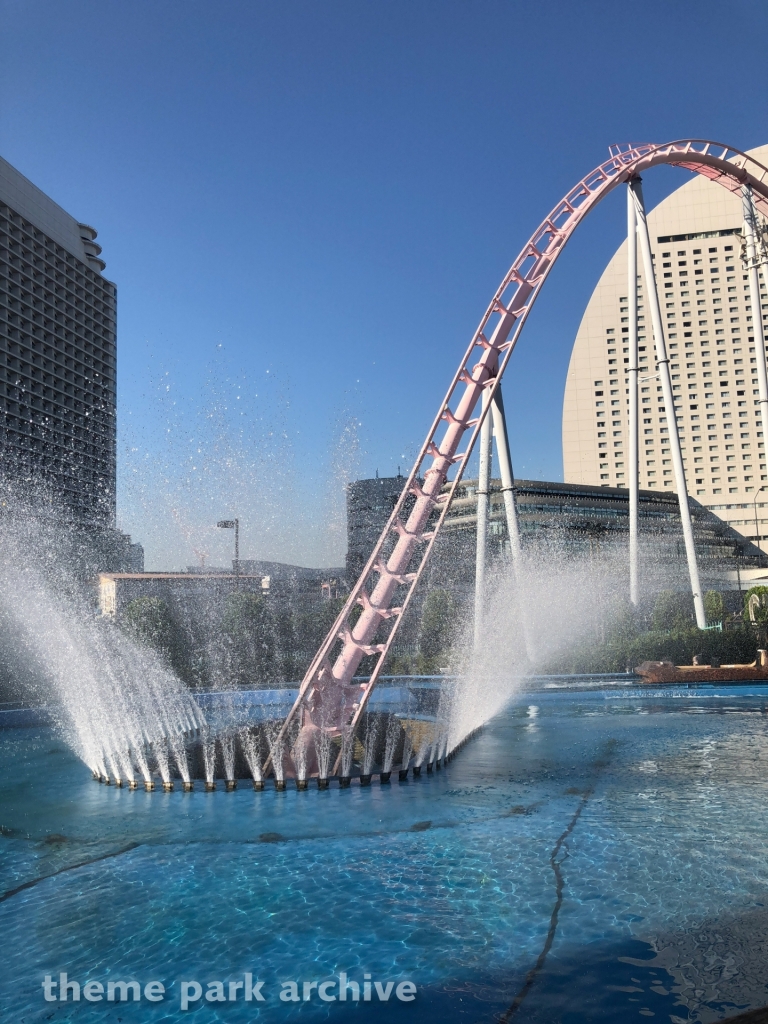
x=57, y=354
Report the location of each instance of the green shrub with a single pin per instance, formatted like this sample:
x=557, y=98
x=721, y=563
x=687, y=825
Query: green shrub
x=437, y=626
x=673, y=610
x=713, y=606
x=248, y=630
x=618, y=654
x=149, y=621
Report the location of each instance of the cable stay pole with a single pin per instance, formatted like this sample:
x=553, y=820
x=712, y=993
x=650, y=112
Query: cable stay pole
x=662, y=361
x=483, y=503
x=507, y=477
x=634, y=455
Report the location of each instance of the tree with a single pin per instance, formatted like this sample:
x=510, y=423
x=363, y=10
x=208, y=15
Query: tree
x=713, y=606
x=313, y=625
x=285, y=634
x=673, y=610
x=249, y=634
x=437, y=625
x=149, y=621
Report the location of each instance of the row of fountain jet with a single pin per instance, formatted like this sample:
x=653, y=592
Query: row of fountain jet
x=171, y=758
x=281, y=785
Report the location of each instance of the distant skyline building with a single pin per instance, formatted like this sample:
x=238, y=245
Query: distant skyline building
x=179, y=590
x=696, y=236
x=559, y=520
x=58, y=358
x=369, y=506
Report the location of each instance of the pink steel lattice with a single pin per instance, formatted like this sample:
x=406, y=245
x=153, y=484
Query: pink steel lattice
x=328, y=699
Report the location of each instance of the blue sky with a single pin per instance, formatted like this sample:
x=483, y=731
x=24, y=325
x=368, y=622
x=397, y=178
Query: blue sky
x=307, y=206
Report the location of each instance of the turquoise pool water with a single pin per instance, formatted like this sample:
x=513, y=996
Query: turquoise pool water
x=591, y=856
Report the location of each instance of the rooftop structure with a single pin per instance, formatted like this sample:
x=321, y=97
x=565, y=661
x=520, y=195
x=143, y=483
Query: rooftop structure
x=286, y=583
x=118, y=589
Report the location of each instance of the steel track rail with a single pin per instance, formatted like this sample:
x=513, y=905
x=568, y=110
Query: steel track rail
x=327, y=699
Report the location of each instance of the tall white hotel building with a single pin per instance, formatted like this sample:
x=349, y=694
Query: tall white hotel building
x=705, y=301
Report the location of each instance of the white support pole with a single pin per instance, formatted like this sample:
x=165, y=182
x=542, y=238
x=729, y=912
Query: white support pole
x=750, y=237
x=483, y=489
x=633, y=397
x=507, y=478
x=662, y=360
x=510, y=509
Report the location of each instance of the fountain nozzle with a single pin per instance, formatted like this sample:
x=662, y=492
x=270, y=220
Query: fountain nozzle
x=149, y=785
x=210, y=787
x=168, y=786
x=258, y=785
x=301, y=784
x=133, y=784
x=384, y=778
x=365, y=780
x=280, y=785
x=230, y=785
x=403, y=774
x=344, y=781
x=188, y=786
x=322, y=783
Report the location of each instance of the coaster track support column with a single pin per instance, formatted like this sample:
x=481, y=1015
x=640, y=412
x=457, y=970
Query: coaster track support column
x=634, y=456
x=662, y=360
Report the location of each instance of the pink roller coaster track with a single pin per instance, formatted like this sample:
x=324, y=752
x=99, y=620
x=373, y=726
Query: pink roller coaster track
x=328, y=699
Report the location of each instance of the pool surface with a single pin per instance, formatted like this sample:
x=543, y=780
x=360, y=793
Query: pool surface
x=591, y=856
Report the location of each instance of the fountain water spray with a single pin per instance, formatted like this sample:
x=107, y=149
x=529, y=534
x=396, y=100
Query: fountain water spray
x=277, y=751
x=300, y=761
x=407, y=751
x=369, y=743
x=347, y=753
x=391, y=740
x=209, y=756
x=115, y=702
x=227, y=744
x=251, y=754
x=179, y=751
x=323, y=754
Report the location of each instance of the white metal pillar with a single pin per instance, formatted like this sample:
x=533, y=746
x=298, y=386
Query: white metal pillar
x=633, y=396
x=510, y=509
x=507, y=478
x=662, y=360
x=753, y=264
x=483, y=489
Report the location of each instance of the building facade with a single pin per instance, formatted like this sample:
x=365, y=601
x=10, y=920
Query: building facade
x=57, y=354
x=369, y=506
x=296, y=585
x=181, y=591
x=696, y=236
x=560, y=521
x=569, y=520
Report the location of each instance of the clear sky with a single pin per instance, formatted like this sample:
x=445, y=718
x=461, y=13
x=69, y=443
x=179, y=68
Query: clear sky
x=307, y=205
